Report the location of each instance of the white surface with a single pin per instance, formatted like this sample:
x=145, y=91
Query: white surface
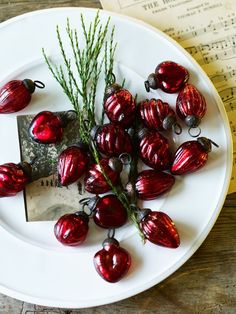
x=34, y=266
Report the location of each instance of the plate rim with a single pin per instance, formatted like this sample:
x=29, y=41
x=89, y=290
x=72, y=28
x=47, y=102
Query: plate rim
x=197, y=243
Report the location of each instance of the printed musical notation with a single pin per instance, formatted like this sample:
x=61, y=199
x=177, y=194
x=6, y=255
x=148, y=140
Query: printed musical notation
x=192, y=31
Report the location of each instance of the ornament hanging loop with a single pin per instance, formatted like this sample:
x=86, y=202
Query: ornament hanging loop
x=177, y=128
x=111, y=233
x=85, y=203
x=190, y=131
x=39, y=84
x=125, y=159
x=111, y=78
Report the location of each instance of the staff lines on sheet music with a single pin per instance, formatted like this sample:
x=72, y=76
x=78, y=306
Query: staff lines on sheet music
x=228, y=94
x=206, y=57
x=218, y=44
x=191, y=32
x=223, y=76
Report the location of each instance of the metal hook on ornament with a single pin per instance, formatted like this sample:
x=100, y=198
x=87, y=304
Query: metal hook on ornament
x=111, y=233
x=39, y=84
x=194, y=134
x=111, y=78
x=125, y=159
x=212, y=142
x=177, y=128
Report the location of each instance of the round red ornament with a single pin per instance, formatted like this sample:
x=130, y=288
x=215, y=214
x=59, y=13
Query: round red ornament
x=72, y=229
x=107, y=211
x=169, y=76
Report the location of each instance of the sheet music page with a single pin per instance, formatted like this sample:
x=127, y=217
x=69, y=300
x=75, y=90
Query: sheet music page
x=207, y=30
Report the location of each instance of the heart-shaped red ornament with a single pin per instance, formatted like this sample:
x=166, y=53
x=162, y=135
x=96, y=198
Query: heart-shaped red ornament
x=46, y=128
x=112, y=262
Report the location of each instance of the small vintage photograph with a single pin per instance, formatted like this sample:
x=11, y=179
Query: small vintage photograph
x=44, y=198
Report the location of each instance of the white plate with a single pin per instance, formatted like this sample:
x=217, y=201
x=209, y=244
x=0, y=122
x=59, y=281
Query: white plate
x=34, y=266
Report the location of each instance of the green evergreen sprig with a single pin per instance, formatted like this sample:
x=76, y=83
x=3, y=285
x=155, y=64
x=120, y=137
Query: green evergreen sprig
x=79, y=78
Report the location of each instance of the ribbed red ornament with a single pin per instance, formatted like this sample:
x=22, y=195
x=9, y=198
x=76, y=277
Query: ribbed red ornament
x=16, y=95
x=191, y=156
x=152, y=183
x=13, y=178
x=112, y=140
x=72, y=229
x=169, y=76
x=159, y=229
x=154, y=150
x=120, y=106
x=190, y=105
x=112, y=262
x=157, y=114
x=94, y=180
x=72, y=164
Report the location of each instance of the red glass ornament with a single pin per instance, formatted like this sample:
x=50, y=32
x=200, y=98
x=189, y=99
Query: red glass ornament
x=47, y=127
x=158, y=115
x=107, y=211
x=190, y=105
x=191, y=156
x=72, y=163
x=72, y=229
x=13, y=178
x=159, y=229
x=169, y=76
x=94, y=180
x=112, y=140
x=112, y=262
x=154, y=149
x=16, y=94
x=151, y=183
x=119, y=105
